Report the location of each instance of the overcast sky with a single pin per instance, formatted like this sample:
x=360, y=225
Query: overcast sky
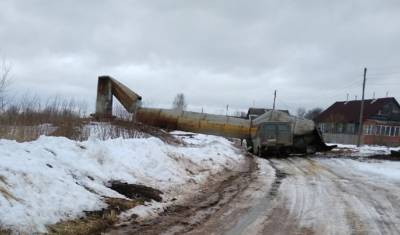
x=215, y=52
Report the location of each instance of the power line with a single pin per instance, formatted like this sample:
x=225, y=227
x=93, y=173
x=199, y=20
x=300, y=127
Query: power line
x=385, y=74
x=380, y=68
x=352, y=84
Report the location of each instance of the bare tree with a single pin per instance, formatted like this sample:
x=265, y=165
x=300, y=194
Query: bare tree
x=5, y=80
x=301, y=112
x=179, y=102
x=313, y=113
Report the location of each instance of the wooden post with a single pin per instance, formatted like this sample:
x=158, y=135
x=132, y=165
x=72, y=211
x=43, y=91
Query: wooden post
x=361, y=122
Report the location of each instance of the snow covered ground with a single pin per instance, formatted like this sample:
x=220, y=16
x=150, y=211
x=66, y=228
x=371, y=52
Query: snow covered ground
x=377, y=169
x=363, y=151
x=342, y=196
x=53, y=178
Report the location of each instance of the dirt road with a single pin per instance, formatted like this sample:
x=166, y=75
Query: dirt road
x=285, y=196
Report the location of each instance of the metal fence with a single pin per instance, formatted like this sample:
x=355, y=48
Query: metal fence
x=340, y=138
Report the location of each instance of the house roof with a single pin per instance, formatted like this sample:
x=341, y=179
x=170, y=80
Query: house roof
x=261, y=111
x=349, y=111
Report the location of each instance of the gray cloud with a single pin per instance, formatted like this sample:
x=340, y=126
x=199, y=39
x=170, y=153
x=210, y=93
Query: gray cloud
x=216, y=52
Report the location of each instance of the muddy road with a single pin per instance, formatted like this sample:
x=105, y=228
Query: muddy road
x=285, y=196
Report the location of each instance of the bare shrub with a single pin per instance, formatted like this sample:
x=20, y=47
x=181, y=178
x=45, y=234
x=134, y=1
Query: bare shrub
x=301, y=112
x=121, y=113
x=28, y=118
x=313, y=113
x=5, y=81
x=116, y=129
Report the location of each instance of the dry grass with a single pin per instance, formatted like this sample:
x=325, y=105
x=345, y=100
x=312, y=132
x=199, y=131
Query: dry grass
x=95, y=222
x=7, y=195
x=5, y=232
x=24, y=133
x=29, y=118
x=3, y=180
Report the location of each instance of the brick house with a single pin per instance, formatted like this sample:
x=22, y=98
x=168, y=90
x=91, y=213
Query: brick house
x=340, y=122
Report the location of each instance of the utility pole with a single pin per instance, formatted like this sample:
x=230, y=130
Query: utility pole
x=360, y=127
x=273, y=107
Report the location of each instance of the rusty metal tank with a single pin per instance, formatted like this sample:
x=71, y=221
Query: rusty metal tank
x=195, y=122
x=167, y=118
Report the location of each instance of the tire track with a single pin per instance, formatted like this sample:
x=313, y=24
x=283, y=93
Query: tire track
x=183, y=218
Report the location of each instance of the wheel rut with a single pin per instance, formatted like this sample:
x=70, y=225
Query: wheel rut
x=182, y=218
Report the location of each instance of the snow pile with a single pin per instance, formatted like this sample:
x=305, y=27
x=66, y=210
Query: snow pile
x=54, y=178
x=365, y=150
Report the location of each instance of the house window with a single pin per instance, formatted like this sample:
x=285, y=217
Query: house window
x=397, y=131
x=378, y=130
x=392, y=130
x=372, y=130
x=387, y=130
x=340, y=128
x=368, y=130
x=350, y=128
x=383, y=128
x=382, y=132
x=323, y=127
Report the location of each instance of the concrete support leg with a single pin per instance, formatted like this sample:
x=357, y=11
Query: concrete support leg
x=104, y=98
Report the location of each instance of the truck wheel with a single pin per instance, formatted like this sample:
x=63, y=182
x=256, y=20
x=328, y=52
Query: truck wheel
x=311, y=150
x=250, y=146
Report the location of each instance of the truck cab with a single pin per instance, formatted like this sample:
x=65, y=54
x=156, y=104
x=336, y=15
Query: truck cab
x=273, y=138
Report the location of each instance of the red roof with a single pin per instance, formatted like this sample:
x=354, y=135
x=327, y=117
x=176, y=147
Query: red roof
x=349, y=111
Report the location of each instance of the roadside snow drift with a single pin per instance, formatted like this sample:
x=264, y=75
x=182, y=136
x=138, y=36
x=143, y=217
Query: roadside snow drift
x=53, y=178
x=363, y=151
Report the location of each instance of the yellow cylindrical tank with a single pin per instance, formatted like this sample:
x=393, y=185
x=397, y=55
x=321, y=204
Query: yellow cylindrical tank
x=212, y=124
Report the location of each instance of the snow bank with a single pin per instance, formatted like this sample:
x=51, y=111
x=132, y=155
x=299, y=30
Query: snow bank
x=54, y=178
x=365, y=150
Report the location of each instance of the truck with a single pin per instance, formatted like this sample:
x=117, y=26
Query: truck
x=272, y=138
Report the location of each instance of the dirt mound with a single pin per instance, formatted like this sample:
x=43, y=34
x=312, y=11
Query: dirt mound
x=136, y=191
